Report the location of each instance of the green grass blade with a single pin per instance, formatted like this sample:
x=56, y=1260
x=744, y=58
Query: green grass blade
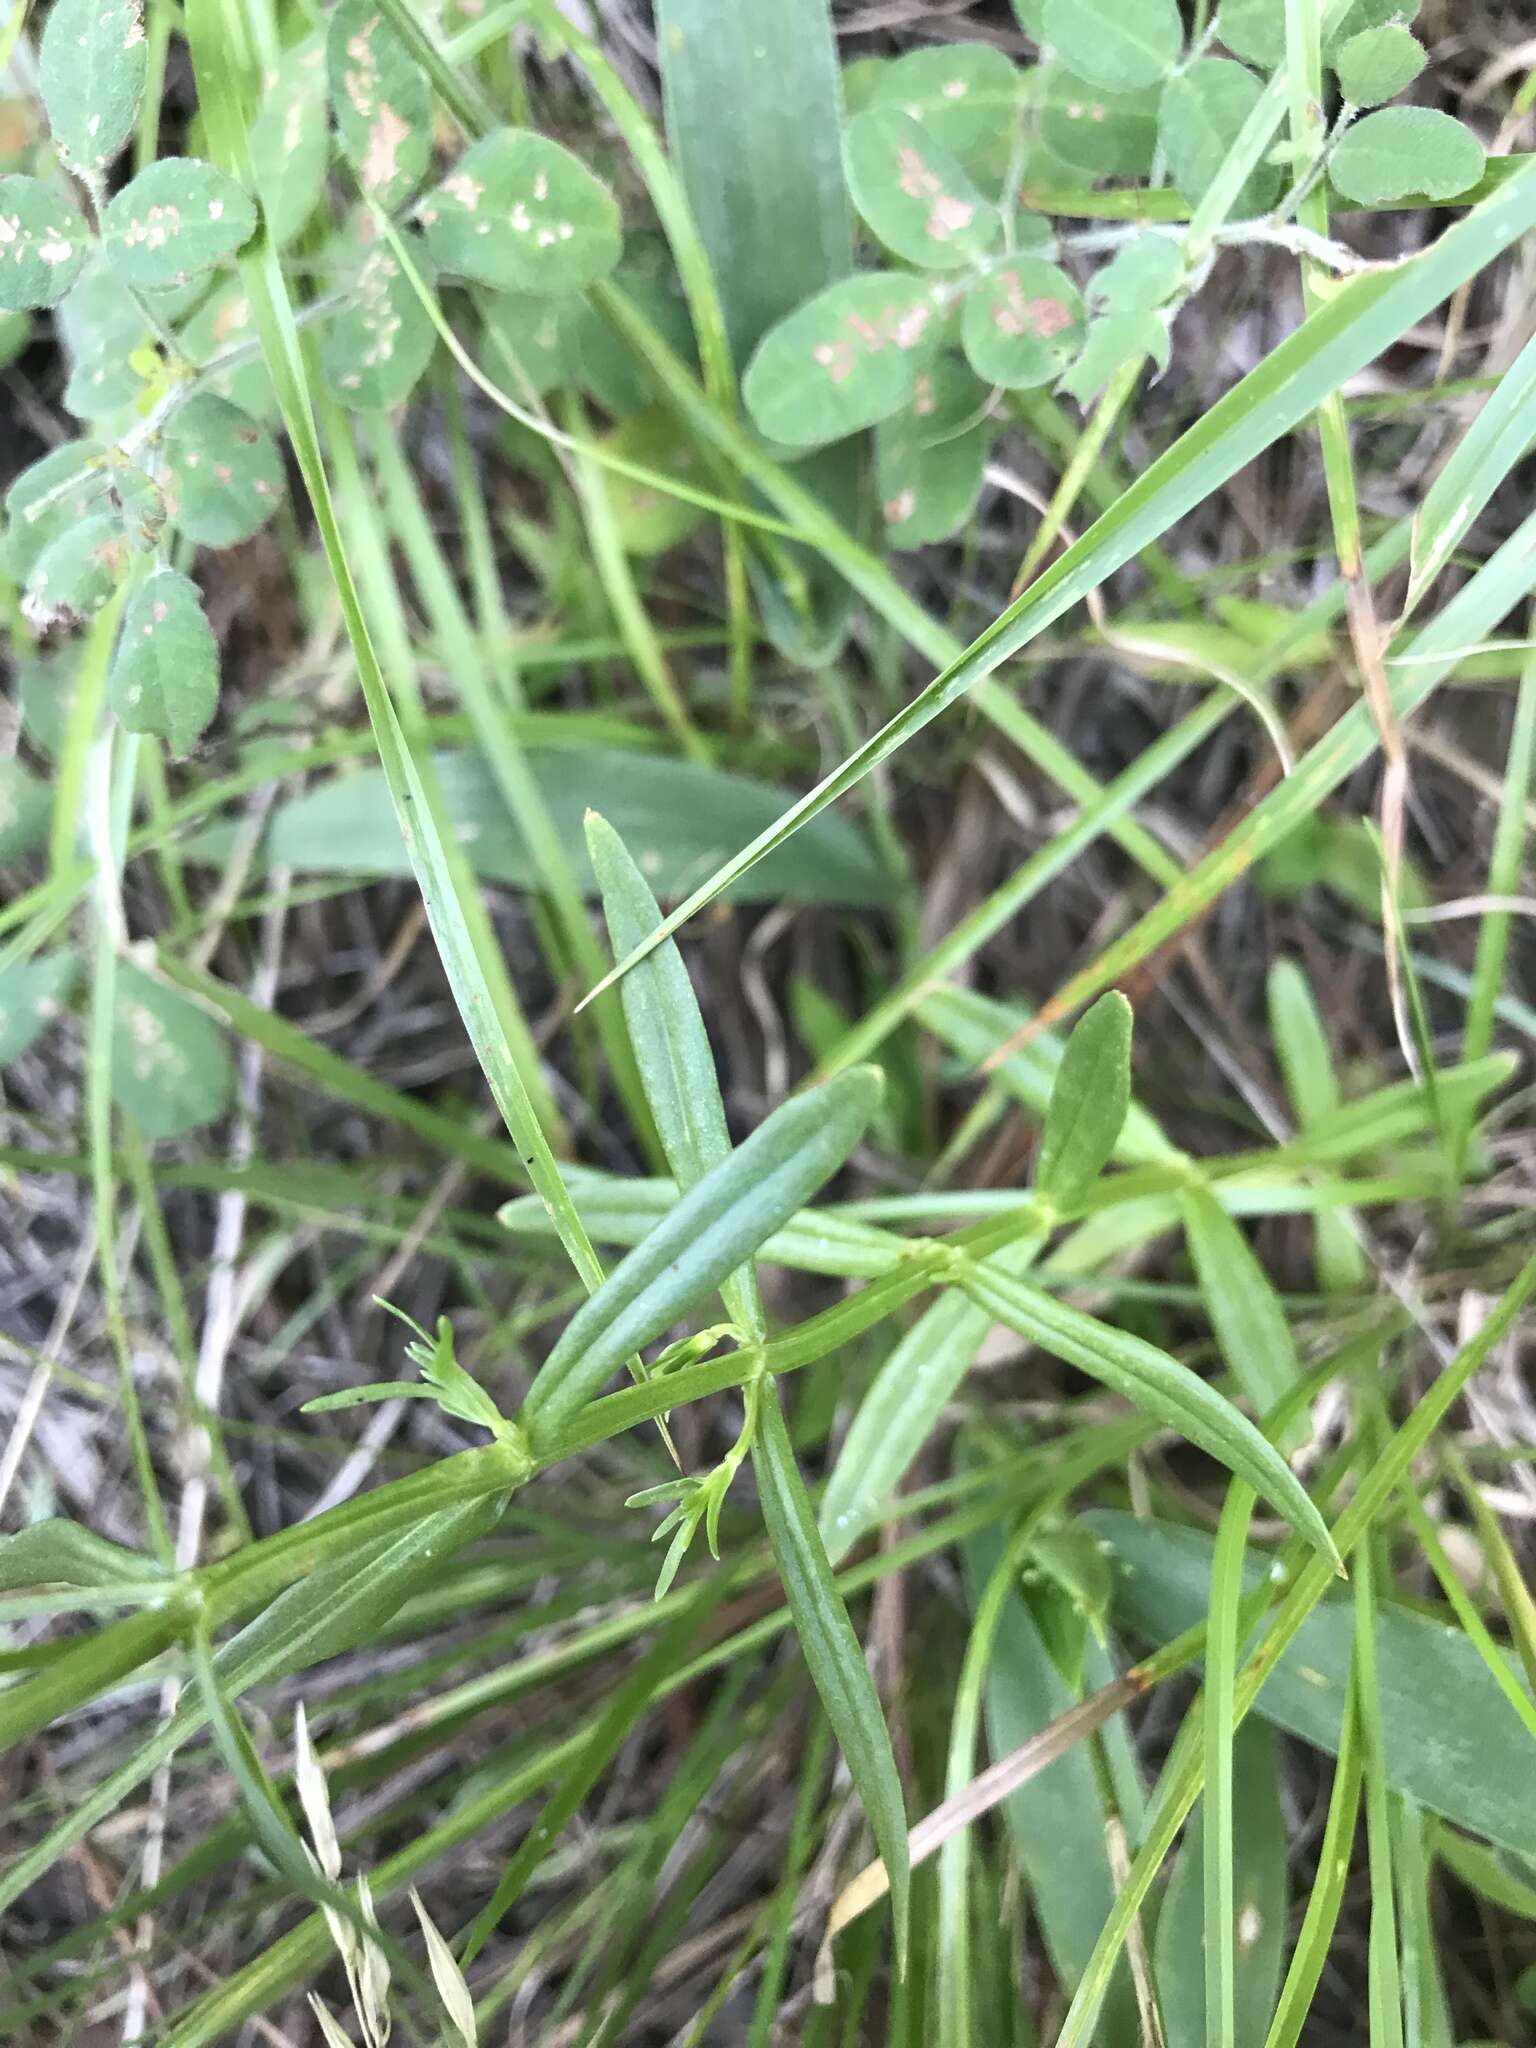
x=1221, y=1652
x=1245, y=1311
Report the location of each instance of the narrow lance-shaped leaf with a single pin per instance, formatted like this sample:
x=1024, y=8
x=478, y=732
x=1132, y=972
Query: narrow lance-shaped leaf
x=1496, y=440
x=1088, y=1104
x=715, y=1226
x=59, y=1552
x=672, y=1050
x=1244, y=1309
x=90, y=70
x=1155, y=1384
x=832, y=1653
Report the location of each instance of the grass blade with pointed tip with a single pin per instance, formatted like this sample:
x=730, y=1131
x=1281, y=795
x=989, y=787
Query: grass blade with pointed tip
x=711, y=1231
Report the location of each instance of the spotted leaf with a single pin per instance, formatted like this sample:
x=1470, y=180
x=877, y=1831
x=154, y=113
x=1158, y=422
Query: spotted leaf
x=1023, y=324
x=170, y=1067
x=224, y=474
x=174, y=219
x=165, y=674
x=913, y=194
x=847, y=358
x=25, y=807
x=32, y=994
x=930, y=456
x=77, y=571
x=224, y=321
x=90, y=70
x=379, y=344
x=965, y=94
x=43, y=244
x=70, y=484
x=522, y=214
x=291, y=140
x=1106, y=134
x=383, y=103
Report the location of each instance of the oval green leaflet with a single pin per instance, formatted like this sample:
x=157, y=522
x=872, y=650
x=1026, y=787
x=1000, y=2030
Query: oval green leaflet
x=1253, y=30
x=1155, y=1384
x=165, y=673
x=103, y=330
x=965, y=95
x=382, y=101
x=1119, y=44
x=67, y=485
x=1022, y=324
x=1105, y=134
x=290, y=139
x=1377, y=65
x=77, y=571
x=378, y=346
x=32, y=994
x=171, y=1070
x=224, y=476
x=177, y=217
x=44, y=242
x=847, y=358
x=1202, y=112
x=90, y=71
x=913, y=193
x=931, y=457
x=1400, y=152
x=25, y=807
x=1089, y=1100
x=521, y=214
x=224, y=319
x=713, y=1229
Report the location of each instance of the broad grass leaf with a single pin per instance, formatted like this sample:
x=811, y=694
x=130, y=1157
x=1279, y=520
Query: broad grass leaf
x=521, y=214
x=1261, y=1905
x=713, y=1229
x=1055, y=1820
x=171, y=1070
x=32, y=994
x=25, y=809
x=1088, y=1103
x=1156, y=1385
x=290, y=140
x=1244, y=1310
x=378, y=345
x=77, y=571
x=913, y=194
x=847, y=358
x=44, y=242
x=679, y=818
x=1119, y=44
x=1105, y=134
x=832, y=1652
x=382, y=102
x=90, y=71
x=966, y=95
x=57, y=1552
x=1112, y=343
x=1450, y=1739
x=165, y=674
x=1202, y=113
x=224, y=474
x=1400, y=152
x=1022, y=324
x=1377, y=65
x=1253, y=30
x=176, y=218
x=930, y=458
